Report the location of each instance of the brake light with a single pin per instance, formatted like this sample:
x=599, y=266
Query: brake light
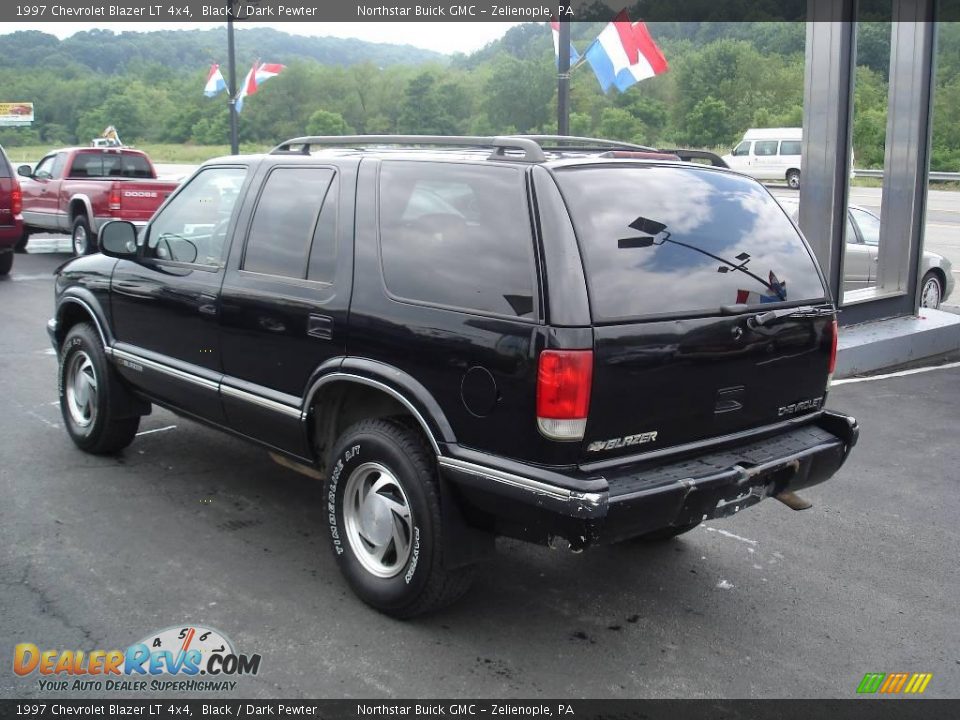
x=16, y=198
x=564, y=378
x=114, y=200
x=834, y=333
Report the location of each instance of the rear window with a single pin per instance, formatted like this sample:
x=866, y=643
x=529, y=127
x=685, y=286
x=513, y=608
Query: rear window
x=673, y=240
x=102, y=164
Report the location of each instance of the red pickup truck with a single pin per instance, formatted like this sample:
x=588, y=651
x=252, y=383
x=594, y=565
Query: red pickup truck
x=76, y=190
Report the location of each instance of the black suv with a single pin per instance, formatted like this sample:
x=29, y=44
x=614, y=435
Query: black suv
x=566, y=341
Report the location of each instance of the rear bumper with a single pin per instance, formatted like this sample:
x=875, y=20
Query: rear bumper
x=636, y=499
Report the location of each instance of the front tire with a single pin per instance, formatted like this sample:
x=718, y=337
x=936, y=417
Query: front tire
x=793, y=179
x=385, y=522
x=83, y=240
x=931, y=291
x=90, y=395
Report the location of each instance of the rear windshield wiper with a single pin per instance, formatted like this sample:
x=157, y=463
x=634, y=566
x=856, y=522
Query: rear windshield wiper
x=802, y=311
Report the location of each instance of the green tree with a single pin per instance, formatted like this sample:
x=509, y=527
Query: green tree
x=324, y=122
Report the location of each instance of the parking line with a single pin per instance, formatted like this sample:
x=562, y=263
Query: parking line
x=147, y=432
x=902, y=373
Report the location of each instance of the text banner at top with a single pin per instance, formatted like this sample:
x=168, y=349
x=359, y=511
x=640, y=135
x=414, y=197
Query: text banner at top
x=275, y=11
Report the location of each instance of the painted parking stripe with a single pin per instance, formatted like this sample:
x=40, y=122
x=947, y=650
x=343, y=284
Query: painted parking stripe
x=155, y=430
x=902, y=373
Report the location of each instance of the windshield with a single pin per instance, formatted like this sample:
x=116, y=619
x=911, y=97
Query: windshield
x=662, y=240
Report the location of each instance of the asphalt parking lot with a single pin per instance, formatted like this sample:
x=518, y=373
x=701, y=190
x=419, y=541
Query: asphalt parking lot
x=191, y=526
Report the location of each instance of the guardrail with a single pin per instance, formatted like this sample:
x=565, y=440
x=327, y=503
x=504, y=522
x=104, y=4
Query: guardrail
x=935, y=176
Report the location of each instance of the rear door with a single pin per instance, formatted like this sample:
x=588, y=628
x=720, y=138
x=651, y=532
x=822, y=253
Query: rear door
x=679, y=263
x=7, y=182
x=766, y=163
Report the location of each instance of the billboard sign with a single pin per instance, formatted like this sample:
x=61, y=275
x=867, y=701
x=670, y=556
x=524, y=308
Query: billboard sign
x=16, y=113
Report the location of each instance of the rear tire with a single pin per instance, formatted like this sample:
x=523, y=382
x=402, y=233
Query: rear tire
x=793, y=179
x=931, y=291
x=667, y=533
x=6, y=263
x=385, y=521
x=91, y=394
x=83, y=240
x=21, y=246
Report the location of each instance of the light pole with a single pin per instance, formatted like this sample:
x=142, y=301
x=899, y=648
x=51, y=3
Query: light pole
x=232, y=82
x=563, y=80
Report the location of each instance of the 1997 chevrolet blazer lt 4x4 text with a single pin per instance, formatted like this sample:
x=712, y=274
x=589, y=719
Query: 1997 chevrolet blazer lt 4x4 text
x=559, y=340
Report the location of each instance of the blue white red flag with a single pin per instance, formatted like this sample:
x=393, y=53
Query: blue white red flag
x=574, y=55
x=215, y=82
x=624, y=53
x=259, y=74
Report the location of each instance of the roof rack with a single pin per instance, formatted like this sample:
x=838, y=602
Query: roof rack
x=583, y=144
x=532, y=152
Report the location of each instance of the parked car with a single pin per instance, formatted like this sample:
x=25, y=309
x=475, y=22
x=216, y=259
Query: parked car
x=76, y=190
x=861, y=257
x=563, y=347
x=11, y=219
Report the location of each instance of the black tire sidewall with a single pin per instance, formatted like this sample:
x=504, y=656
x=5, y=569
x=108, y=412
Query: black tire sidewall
x=363, y=445
x=83, y=337
x=6, y=263
x=790, y=179
x=91, y=241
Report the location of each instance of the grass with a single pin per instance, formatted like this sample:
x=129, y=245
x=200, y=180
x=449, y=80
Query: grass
x=158, y=152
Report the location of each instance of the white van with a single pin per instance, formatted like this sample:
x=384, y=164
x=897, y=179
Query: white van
x=769, y=154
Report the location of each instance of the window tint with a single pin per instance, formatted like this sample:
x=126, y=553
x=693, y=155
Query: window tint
x=285, y=220
x=192, y=228
x=765, y=147
x=742, y=149
x=666, y=240
x=323, y=252
x=790, y=147
x=869, y=225
x=110, y=164
x=457, y=235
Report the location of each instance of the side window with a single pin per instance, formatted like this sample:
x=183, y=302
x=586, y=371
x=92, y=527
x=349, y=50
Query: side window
x=58, y=164
x=765, y=148
x=192, y=228
x=742, y=149
x=457, y=236
x=285, y=221
x=790, y=147
x=323, y=252
x=852, y=237
x=44, y=168
x=869, y=225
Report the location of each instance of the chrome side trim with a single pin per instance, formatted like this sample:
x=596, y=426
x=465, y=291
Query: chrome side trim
x=167, y=370
x=261, y=401
x=524, y=483
x=334, y=376
x=91, y=313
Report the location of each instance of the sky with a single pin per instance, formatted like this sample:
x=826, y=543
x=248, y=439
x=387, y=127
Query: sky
x=445, y=37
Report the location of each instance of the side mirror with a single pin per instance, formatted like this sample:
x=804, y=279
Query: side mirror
x=118, y=239
x=25, y=171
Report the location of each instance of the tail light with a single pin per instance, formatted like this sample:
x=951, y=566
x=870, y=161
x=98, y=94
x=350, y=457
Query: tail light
x=16, y=197
x=834, y=333
x=564, y=378
x=114, y=200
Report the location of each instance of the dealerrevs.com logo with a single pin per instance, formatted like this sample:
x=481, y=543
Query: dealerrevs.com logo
x=176, y=659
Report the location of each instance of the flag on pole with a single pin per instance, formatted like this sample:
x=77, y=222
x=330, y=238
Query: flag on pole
x=215, y=81
x=574, y=55
x=624, y=53
x=259, y=74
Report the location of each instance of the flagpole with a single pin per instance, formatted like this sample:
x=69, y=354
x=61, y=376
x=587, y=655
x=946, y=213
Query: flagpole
x=563, y=80
x=232, y=86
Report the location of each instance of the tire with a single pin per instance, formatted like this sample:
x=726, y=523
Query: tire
x=667, y=533
x=83, y=240
x=6, y=263
x=931, y=291
x=384, y=517
x=90, y=395
x=21, y=246
x=793, y=179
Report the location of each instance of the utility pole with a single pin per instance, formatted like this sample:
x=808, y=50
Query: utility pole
x=563, y=80
x=232, y=82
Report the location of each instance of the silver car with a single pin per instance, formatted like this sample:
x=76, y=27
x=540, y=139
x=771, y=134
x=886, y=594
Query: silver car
x=860, y=257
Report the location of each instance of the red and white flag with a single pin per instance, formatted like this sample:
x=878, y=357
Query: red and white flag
x=259, y=74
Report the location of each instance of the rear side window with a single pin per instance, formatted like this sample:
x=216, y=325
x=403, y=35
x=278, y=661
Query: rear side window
x=683, y=241
x=790, y=147
x=110, y=164
x=765, y=147
x=457, y=236
x=5, y=171
x=286, y=220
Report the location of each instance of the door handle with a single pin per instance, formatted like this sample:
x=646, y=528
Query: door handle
x=320, y=326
